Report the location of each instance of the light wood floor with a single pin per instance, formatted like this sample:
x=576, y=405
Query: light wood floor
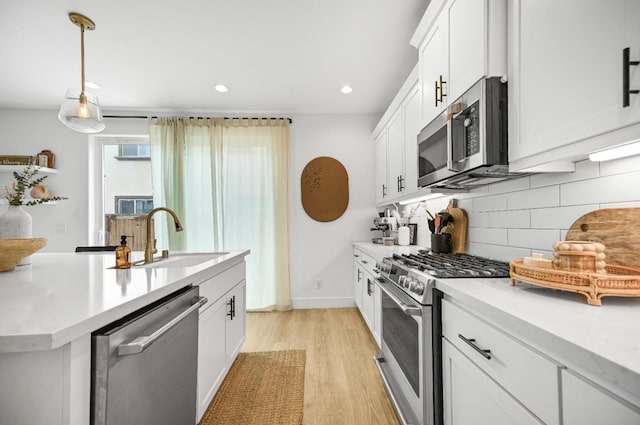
x=342, y=382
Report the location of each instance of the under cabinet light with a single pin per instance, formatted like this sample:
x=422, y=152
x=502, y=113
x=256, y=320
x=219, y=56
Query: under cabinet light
x=422, y=198
x=616, y=152
x=346, y=89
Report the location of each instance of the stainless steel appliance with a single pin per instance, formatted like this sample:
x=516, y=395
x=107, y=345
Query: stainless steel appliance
x=410, y=360
x=386, y=225
x=466, y=145
x=144, y=365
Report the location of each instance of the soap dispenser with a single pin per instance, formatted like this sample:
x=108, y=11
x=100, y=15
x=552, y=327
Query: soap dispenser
x=122, y=254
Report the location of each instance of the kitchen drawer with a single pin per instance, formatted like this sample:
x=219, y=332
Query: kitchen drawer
x=366, y=261
x=527, y=375
x=218, y=285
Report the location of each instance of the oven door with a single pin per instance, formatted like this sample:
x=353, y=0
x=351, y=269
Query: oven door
x=405, y=358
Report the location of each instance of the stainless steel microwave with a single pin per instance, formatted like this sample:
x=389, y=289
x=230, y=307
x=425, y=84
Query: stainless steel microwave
x=466, y=145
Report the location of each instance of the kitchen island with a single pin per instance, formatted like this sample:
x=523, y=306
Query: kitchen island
x=48, y=310
x=591, y=347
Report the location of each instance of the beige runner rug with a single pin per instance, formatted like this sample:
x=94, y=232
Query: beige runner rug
x=261, y=388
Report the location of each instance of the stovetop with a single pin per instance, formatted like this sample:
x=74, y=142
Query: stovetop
x=453, y=265
x=415, y=274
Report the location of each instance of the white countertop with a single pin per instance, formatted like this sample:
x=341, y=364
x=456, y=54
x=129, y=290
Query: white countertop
x=602, y=343
x=62, y=296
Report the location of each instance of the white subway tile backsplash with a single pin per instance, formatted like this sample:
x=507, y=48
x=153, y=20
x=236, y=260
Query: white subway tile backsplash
x=635, y=204
x=533, y=238
x=490, y=203
x=548, y=196
x=507, y=253
x=513, y=185
x=609, y=189
x=490, y=236
x=584, y=170
x=518, y=219
x=476, y=219
x=514, y=218
x=620, y=166
x=559, y=217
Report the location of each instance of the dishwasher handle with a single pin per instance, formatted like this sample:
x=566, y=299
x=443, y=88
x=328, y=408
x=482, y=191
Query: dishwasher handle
x=141, y=343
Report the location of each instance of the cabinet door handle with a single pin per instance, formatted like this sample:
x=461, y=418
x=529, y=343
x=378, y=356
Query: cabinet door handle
x=436, y=93
x=232, y=307
x=442, y=93
x=359, y=275
x=369, y=287
x=401, y=179
x=472, y=342
x=626, y=65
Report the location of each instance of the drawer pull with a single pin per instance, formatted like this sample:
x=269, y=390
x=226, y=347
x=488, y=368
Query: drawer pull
x=472, y=342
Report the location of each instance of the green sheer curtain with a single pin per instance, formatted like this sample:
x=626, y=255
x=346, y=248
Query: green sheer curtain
x=228, y=181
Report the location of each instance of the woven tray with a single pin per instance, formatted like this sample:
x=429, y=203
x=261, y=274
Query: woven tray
x=619, y=281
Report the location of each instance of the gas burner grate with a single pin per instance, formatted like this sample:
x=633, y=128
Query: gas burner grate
x=453, y=265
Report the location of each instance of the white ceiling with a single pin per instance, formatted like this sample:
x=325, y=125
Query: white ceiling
x=278, y=56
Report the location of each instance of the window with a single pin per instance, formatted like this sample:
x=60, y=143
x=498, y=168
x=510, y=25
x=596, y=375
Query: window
x=133, y=151
x=133, y=205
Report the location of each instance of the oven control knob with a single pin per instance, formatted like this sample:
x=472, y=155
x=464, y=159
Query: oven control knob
x=402, y=280
x=418, y=288
x=410, y=283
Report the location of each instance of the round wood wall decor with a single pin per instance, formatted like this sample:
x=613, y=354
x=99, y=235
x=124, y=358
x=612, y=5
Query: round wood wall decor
x=325, y=189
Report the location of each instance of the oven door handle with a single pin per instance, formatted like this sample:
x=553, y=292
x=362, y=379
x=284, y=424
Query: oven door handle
x=406, y=309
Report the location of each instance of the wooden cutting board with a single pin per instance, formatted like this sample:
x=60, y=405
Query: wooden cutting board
x=617, y=228
x=458, y=229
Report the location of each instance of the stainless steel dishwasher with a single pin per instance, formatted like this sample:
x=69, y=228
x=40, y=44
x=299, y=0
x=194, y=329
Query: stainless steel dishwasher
x=144, y=366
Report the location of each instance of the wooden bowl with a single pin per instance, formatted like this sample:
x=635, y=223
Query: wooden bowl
x=14, y=250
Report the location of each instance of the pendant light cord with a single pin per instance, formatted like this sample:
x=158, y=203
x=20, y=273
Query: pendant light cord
x=82, y=53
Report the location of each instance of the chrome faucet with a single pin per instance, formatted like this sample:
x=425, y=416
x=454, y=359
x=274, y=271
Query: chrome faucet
x=150, y=247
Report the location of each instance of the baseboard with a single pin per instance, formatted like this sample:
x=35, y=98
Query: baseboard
x=337, y=302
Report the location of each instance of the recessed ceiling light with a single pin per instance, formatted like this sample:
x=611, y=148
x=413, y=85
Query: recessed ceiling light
x=92, y=85
x=346, y=89
x=221, y=88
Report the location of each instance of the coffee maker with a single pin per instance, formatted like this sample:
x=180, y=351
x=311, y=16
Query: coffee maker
x=386, y=224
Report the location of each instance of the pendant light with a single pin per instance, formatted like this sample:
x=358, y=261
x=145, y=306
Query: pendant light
x=80, y=111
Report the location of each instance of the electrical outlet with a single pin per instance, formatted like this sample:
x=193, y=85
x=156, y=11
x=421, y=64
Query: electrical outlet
x=61, y=228
x=318, y=284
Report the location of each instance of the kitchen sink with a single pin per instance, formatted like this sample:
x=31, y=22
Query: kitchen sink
x=182, y=259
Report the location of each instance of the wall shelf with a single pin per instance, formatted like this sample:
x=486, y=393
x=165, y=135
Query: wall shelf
x=19, y=168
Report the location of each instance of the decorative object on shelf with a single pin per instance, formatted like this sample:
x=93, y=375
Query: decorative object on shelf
x=46, y=158
x=16, y=223
x=325, y=189
x=80, y=111
x=13, y=250
x=40, y=191
x=15, y=159
x=27, y=180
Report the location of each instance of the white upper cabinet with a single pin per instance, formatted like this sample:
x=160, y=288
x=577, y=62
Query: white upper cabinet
x=395, y=153
x=566, y=78
x=434, y=70
x=396, y=138
x=381, y=167
x=459, y=42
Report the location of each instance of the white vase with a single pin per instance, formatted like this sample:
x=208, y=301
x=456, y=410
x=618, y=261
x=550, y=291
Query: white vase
x=15, y=223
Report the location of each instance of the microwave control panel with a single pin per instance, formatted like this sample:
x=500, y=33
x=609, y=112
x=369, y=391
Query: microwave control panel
x=471, y=124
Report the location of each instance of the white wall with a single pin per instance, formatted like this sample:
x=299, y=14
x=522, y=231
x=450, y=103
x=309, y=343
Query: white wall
x=324, y=250
x=512, y=219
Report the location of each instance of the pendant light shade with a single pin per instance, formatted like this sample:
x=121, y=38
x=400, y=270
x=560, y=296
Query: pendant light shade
x=80, y=111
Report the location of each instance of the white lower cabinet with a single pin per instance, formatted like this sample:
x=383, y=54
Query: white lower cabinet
x=221, y=331
x=471, y=397
x=367, y=293
x=585, y=403
x=527, y=379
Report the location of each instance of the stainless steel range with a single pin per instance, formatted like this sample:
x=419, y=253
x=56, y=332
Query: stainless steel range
x=410, y=360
